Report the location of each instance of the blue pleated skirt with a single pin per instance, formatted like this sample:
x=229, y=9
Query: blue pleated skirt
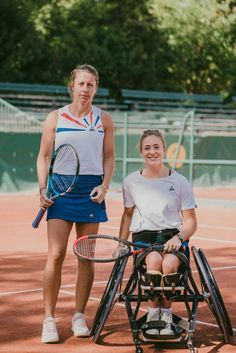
x=77, y=206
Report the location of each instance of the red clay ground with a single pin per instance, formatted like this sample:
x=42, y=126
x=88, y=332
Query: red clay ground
x=23, y=256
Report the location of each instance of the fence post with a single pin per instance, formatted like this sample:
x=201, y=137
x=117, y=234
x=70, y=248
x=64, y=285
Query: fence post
x=191, y=146
x=125, y=145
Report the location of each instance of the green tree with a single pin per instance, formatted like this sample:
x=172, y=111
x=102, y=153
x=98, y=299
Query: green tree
x=19, y=40
x=202, y=43
x=177, y=45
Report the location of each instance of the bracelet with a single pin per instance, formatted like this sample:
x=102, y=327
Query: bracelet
x=180, y=236
x=104, y=187
x=42, y=187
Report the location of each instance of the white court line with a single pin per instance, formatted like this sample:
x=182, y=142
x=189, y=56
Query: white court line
x=214, y=240
x=199, y=225
x=116, y=227
x=40, y=289
x=194, y=237
x=144, y=310
x=218, y=227
x=97, y=282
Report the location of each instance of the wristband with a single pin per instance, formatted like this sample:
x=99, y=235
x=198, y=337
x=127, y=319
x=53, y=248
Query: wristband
x=181, y=237
x=42, y=187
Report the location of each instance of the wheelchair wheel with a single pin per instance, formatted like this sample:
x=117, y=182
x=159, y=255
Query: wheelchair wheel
x=213, y=281
x=212, y=293
x=109, y=298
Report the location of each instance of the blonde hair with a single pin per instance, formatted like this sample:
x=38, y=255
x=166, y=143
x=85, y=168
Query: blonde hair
x=84, y=67
x=154, y=132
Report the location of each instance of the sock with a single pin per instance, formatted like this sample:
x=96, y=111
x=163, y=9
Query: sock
x=153, y=310
x=166, y=310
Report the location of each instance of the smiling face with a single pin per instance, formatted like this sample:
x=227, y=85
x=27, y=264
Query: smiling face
x=152, y=150
x=84, y=86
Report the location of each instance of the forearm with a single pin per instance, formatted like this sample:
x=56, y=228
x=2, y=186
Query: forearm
x=124, y=227
x=42, y=170
x=108, y=167
x=189, y=223
x=189, y=228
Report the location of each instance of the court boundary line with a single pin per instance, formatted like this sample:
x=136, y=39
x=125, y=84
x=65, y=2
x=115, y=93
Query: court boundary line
x=203, y=225
x=2, y=294
x=145, y=310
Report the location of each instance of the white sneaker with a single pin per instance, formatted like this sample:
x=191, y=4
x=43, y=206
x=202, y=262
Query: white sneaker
x=49, y=333
x=79, y=326
x=153, y=316
x=167, y=317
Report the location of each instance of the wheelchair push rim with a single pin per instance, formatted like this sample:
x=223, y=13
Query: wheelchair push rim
x=109, y=298
x=212, y=294
x=213, y=281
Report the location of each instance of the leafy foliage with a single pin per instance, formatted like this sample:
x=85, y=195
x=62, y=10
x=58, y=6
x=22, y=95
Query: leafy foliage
x=178, y=45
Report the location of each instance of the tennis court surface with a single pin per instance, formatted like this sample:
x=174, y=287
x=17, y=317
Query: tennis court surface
x=23, y=256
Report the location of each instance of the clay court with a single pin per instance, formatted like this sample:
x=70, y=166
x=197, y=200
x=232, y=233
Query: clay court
x=23, y=256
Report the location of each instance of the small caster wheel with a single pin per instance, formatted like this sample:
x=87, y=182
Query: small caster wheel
x=139, y=350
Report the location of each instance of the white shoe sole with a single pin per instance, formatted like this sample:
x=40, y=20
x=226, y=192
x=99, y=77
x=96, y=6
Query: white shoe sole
x=81, y=334
x=50, y=340
x=166, y=332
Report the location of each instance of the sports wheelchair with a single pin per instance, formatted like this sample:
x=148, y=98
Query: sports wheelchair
x=179, y=288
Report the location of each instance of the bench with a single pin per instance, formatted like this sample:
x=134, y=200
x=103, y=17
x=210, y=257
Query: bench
x=144, y=100
x=39, y=97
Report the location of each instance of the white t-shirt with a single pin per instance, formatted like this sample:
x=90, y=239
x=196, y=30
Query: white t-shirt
x=158, y=202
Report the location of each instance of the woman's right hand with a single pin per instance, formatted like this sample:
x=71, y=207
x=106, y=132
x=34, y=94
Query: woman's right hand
x=45, y=201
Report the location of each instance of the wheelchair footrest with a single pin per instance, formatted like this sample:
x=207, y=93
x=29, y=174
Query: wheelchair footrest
x=162, y=338
x=159, y=325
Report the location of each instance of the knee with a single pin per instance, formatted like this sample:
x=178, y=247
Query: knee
x=169, y=266
x=56, y=257
x=153, y=261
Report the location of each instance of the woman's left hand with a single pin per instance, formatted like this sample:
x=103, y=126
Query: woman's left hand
x=98, y=193
x=173, y=244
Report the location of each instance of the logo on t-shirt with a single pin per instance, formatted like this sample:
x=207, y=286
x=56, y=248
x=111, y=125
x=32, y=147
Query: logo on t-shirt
x=171, y=188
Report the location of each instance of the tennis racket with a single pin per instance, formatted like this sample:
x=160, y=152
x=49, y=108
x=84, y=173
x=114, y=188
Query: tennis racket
x=59, y=183
x=107, y=248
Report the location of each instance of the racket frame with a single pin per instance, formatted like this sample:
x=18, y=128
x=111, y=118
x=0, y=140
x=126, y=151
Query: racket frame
x=42, y=211
x=128, y=244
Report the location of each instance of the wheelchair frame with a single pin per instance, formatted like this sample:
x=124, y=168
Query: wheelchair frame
x=188, y=293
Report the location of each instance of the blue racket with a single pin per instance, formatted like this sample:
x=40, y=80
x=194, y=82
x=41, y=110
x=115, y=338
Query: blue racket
x=64, y=159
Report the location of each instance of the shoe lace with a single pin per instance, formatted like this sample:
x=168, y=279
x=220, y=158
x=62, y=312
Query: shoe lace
x=50, y=325
x=155, y=316
x=79, y=319
x=167, y=317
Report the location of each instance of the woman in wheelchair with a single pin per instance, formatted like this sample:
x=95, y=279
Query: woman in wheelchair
x=159, y=207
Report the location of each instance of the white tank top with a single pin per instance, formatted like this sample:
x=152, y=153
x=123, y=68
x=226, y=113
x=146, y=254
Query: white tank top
x=85, y=135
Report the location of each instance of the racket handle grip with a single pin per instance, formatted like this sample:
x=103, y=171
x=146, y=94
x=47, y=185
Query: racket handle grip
x=38, y=218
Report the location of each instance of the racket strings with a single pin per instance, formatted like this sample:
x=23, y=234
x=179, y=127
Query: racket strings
x=100, y=249
x=64, y=171
x=62, y=182
x=87, y=248
x=66, y=161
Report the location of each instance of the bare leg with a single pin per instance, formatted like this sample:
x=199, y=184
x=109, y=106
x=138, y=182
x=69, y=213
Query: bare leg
x=154, y=262
x=58, y=234
x=85, y=270
x=170, y=264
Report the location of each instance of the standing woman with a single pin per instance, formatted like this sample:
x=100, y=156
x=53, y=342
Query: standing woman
x=90, y=131
x=159, y=206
